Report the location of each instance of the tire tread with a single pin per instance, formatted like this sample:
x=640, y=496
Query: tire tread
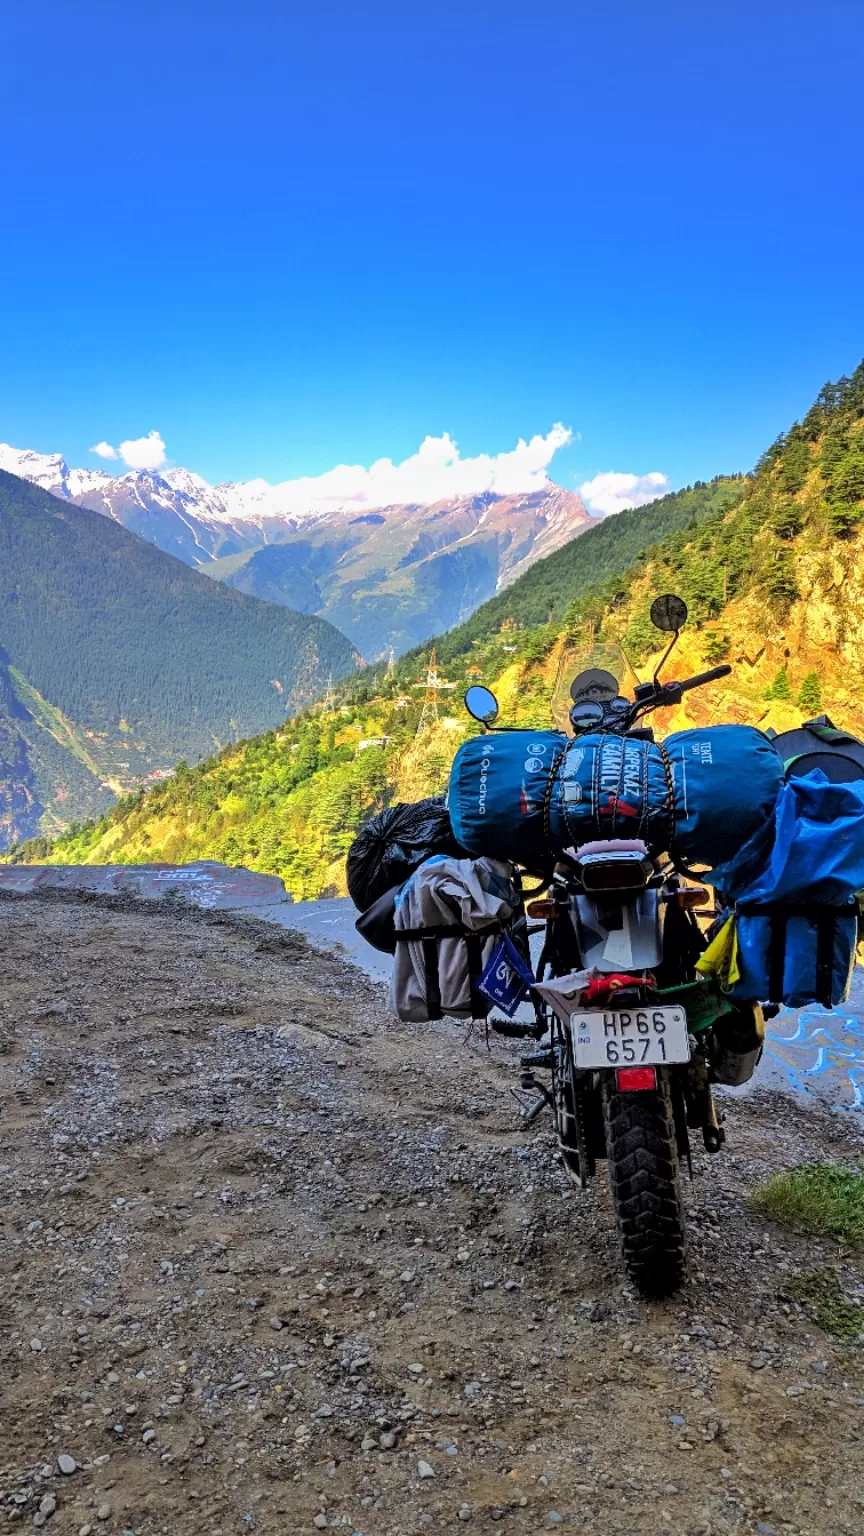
x=646, y=1192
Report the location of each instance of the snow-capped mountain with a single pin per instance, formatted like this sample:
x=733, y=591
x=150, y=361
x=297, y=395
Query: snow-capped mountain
x=385, y=576
x=51, y=471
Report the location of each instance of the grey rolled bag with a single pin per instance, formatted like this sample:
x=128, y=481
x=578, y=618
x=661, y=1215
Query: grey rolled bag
x=449, y=917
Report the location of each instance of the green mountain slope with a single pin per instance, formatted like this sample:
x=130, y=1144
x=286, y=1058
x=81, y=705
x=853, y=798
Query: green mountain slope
x=773, y=572
x=547, y=590
x=118, y=659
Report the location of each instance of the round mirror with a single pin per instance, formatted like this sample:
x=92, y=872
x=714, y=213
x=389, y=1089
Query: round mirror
x=585, y=714
x=669, y=613
x=594, y=684
x=482, y=704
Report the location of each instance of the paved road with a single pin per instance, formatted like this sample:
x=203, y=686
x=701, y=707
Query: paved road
x=808, y=1051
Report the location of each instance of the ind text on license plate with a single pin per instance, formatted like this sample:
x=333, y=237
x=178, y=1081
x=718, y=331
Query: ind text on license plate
x=623, y=1037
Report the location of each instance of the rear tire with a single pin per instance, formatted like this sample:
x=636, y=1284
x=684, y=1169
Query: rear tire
x=643, y=1172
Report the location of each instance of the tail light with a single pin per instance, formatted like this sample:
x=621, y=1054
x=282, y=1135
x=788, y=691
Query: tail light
x=543, y=907
x=624, y=871
x=636, y=1079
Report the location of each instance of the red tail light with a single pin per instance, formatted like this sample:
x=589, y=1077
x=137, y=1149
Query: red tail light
x=627, y=870
x=636, y=1079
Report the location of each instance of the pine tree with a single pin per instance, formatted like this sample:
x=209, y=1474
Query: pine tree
x=796, y=462
x=834, y=447
x=780, y=687
x=780, y=579
x=810, y=693
x=848, y=482
x=787, y=517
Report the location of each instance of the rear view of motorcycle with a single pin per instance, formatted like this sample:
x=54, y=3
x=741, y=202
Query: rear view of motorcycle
x=629, y=1038
x=632, y=909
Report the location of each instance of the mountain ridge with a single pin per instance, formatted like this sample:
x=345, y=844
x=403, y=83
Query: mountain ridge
x=124, y=659
x=386, y=576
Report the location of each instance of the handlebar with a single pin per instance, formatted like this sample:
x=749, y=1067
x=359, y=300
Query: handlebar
x=705, y=677
x=665, y=694
x=659, y=695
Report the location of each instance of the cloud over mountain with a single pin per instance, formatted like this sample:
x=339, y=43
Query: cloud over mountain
x=613, y=491
x=138, y=452
x=436, y=472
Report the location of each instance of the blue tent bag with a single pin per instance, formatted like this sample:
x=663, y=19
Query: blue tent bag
x=726, y=778
x=500, y=796
x=793, y=890
x=525, y=794
x=613, y=786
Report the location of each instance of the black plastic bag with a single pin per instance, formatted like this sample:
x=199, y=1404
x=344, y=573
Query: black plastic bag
x=393, y=844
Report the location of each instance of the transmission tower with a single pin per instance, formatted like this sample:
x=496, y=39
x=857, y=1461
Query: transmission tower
x=432, y=688
x=391, y=666
x=329, y=698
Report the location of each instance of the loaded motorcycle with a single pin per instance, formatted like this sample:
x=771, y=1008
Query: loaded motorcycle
x=631, y=1037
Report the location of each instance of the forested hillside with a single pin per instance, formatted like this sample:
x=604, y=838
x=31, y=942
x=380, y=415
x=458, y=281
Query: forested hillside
x=548, y=589
x=773, y=573
x=117, y=659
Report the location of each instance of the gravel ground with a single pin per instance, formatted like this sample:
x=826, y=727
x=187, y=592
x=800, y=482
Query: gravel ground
x=273, y=1262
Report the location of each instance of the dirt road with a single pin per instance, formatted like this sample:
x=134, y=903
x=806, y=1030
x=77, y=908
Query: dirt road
x=272, y=1262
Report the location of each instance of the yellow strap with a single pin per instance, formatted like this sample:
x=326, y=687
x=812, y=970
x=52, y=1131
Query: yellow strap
x=721, y=957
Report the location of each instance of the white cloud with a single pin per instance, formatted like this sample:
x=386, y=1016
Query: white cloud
x=143, y=452
x=435, y=472
x=138, y=452
x=614, y=492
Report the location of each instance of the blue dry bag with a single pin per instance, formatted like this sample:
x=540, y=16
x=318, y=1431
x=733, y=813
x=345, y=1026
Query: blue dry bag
x=793, y=889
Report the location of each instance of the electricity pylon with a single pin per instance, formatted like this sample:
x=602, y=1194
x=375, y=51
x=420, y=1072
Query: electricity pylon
x=433, y=685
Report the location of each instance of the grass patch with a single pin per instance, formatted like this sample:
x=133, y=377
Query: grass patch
x=820, y=1199
x=821, y=1292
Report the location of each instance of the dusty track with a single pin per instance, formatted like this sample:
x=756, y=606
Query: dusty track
x=269, y=1257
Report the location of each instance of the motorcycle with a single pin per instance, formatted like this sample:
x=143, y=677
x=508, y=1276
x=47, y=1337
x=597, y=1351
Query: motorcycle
x=619, y=1011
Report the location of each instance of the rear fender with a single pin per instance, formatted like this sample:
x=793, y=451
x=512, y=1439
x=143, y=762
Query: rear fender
x=616, y=935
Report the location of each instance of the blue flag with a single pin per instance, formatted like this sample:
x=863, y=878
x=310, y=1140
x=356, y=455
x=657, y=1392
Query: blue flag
x=506, y=978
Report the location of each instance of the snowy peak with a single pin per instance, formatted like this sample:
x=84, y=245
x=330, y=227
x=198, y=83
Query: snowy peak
x=50, y=471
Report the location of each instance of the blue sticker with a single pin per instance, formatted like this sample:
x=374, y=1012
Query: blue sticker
x=506, y=978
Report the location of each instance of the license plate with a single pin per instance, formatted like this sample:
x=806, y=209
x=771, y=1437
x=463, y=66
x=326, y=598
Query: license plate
x=624, y=1037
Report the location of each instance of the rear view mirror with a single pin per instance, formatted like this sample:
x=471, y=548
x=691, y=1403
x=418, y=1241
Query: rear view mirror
x=669, y=613
x=482, y=704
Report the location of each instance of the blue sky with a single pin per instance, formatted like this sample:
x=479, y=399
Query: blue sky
x=286, y=236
